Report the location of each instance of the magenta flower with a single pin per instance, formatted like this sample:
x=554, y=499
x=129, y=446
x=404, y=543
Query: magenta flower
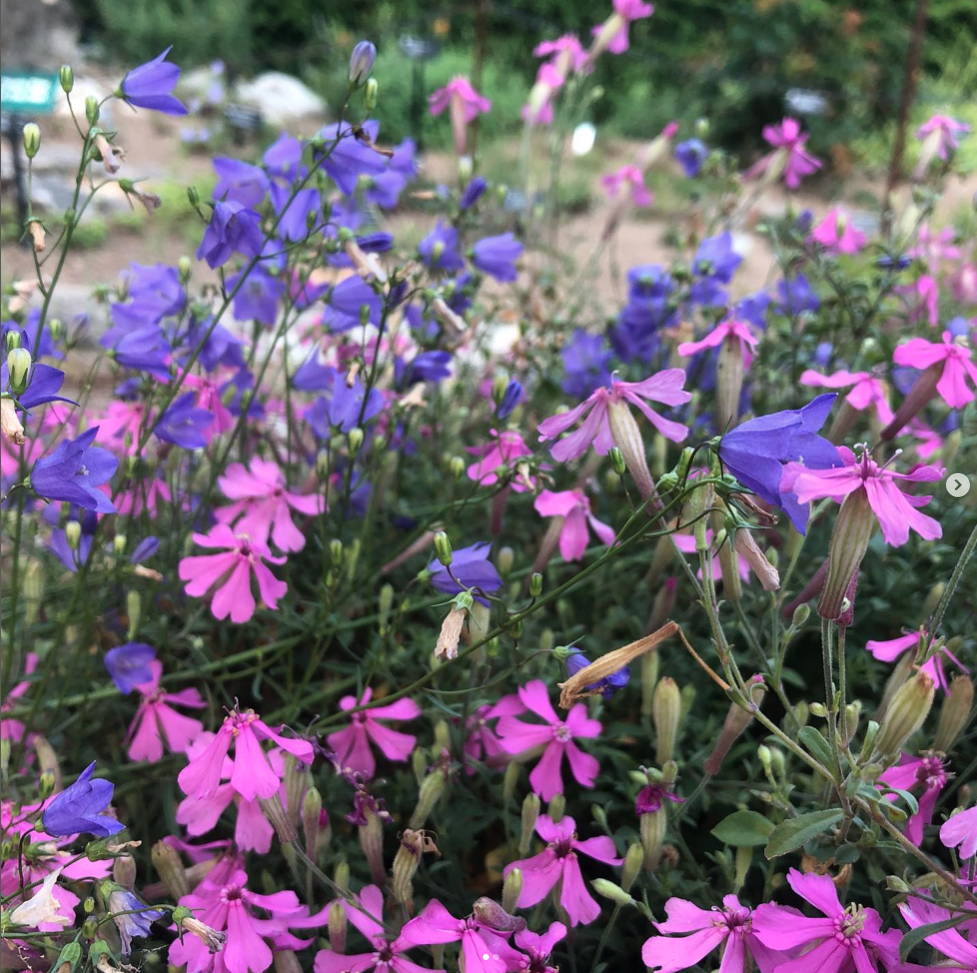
x=502, y=449
x=156, y=722
x=949, y=942
x=574, y=507
x=386, y=956
x=731, y=926
x=482, y=743
x=866, y=391
x=790, y=158
x=482, y=949
x=888, y=650
x=465, y=105
x=664, y=387
x=939, y=135
x=566, y=48
x=837, y=234
x=895, y=510
x=731, y=330
x=911, y=774
x=625, y=11
x=961, y=831
x=935, y=246
x=538, y=947
x=652, y=798
x=556, y=735
x=957, y=365
x=845, y=937
x=632, y=180
x=352, y=745
x=251, y=775
x=262, y=506
x=229, y=574
x=209, y=398
x=558, y=862
x=686, y=544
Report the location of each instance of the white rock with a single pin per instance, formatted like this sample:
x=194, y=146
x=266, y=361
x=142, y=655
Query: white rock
x=279, y=97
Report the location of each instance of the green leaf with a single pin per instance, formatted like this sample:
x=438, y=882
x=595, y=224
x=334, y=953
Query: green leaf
x=789, y=835
x=907, y=797
x=915, y=936
x=816, y=744
x=743, y=829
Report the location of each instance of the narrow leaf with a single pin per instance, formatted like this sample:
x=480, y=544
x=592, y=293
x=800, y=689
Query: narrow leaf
x=789, y=835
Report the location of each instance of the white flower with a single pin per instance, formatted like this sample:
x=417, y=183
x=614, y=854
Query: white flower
x=42, y=907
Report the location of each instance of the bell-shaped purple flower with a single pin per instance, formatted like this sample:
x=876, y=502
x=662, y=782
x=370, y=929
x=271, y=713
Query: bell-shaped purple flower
x=258, y=297
x=690, y=155
x=128, y=665
x=473, y=193
x=439, y=249
x=149, y=86
x=351, y=158
x=240, y=182
x=233, y=229
x=471, y=566
x=183, y=424
x=78, y=808
x=132, y=917
x=497, y=256
x=74, y=472
x=510, y=399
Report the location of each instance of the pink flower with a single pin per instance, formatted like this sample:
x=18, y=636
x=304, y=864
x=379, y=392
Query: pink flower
x=890, y=649
x=930, y=441
x=386, y=956
x=147, y=495
x=262, y=504
x=352, y=745
x=686, y=544
x=157, y=722
x=942, y=131
x=230, y=907
x=961, y=831
x=482, y=949
x=481, y=743
x=556, y=735
x=957, y=365
x=251, y=775
x=14, y=729
x=837, y=234
x=120, y=427
x=790, y=157
x=209, y=397
x=729, y=329
x=895, y=510
x=459, y=89
x=574, y=506
x=843, y=938
x=867, y=392
x=731, y=925
x=627, y=11
x=502, y=449
x=911, y=773
x=632, y=179
x=935, y=247
x=538, y=947
x=565, y=48
x=926, y=299
x=664, y=387
x=229, y=574
x=558, y=862
x=949, y=942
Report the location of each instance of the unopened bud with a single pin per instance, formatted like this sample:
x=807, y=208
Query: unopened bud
x=556, y=808
x=371, y=94
x=405, y=864
x=853, y=529
x=442, y=548
x=801, y=614
x=535, y=584
x=428, y=796
x=72, y=532
x=512, y=889
x=67, y=78
x=737, y=720
x=361, y=62
x=337, y=927
x=895, y=884
x=530, y=815
x=608, y=890
x=169, y=867
x=954, y=713
x=509, y=781
x=505, y=559
x=617, y=460
x=295, y=777
x=18, y=369
x=285, y=961
x=906, y=713
x=666, y=711
x=652, y=828
x=354, y=438
x=311, y=815
x=32, y=140
x=124, y=871
x=274, y=811
x=633, y=861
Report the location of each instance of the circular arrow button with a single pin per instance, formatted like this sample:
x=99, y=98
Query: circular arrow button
x=958, y=485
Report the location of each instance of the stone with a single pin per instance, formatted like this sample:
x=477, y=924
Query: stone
x=279, y=97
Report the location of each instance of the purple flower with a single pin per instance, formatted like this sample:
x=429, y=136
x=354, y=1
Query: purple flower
x=350, y=158
x=439, y=249
x=149, y=86
x=361, y=62
x=714, y=264
x=43, y=384
x=606, y=686
x=258, y=298
x=283, y=156
x=651, y=797
x=341, y=410
x=755, y=452
x=347, y=299
x=473, y=193
x=128, y=665
x=585, y=360
x=427, y=366
x=78, y=808
x=690, y=155
x=471, y=566
x=497, y=256
x=135, y=918
x=157, y=290
x=74, y=471
x=145, y=549
x=294, y=222
x=183, y=424
x=144, y=349
x=385, y=189
x=312, y=376
x=240, y=182
x=753, y=309
x=233, y=229
x=220, y=347
x=796, y=296
x=510, y=399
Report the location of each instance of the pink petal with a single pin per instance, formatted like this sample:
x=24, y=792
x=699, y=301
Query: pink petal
x=573, y=536
x=561, y=504
x=819, y=890
x=245, y=949
x=198, y=815
x=433, y=925
x=394, y=745
x=546, y=779
x=146, y=743
x=684, y=916
x=201, y=777
x=574, y=897
x=585, y=767
x=252, y=777
x=536, y=698
x=270, y=588
x=234, y=598
x=670, y=955
x=252, y=831
x=401, y=709
x=352, y=749
x=602, y=848
x=539, y=874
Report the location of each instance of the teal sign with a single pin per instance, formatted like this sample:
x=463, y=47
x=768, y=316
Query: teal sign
x=28, y=93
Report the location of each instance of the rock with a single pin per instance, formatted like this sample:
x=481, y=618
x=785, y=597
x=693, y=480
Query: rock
x=83, y=89
x=38, y=35
x=279, y=97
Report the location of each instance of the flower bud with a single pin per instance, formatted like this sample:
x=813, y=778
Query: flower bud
x=361, y=62
x=557, y=808
x=906, y=713
x=428, y=796
x=169, y=867
x=954, y=713
x=530, y=815
x=67, y=78
x=489, y=913
x=354, y=439
x=729, y=381
x=442, y=548
x=801, y=614
x=371, y=94
x=371, y=841
x=274, y=811
x=509, y=781
x=931, y=601
x=285, y=961
x=853, y=529
x=512, y=889
x=738, y=718
x=649, y=680
x=32, y=140
x=72, y=532
x=295, y=777
x=311, y=815
x=337, y=927
x=456, y=466
x=408, y=857
x=608, y=890
x=18, y=369
x=633, y=860
x=46, y=783
x=535, y=584
x=124, y=871
x=652, y=828
x=666, y=711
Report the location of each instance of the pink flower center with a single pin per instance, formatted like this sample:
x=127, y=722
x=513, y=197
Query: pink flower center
x=561, y=733
x=231, y=893
x=849, y=925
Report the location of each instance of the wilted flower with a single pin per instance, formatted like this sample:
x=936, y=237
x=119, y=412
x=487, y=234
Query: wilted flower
x=42, y=907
